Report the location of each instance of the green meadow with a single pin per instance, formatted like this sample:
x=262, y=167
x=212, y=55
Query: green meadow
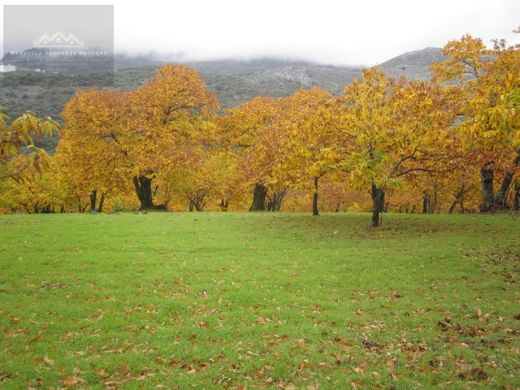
x=259, y=300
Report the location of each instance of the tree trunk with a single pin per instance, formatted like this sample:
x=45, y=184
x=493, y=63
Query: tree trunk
x=47, y=209
x=488, y=192
x=196, y=200
x=199, y=201
x=433, y=205
x=452, y=207
x=378, y=198
x=93, y=196
x=426, y=202
x=224, y=205
x=259, y=195
x=101, y=203
x=516, y=198
x=315, y=211
x=459, y=200
x=274, y=202
x=143, y=189
x=500, y=198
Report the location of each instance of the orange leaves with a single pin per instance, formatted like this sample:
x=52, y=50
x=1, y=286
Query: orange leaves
x=311, y=149
x=72, y=381
x=281, y=142
x=35, y=339
x=393, y=128
x=361, y=368
x=465, y=57
x=487, y=77
x=341, y=341
x=396, y=134
x=175, y=112
x=174, y=105
x=475, y=374
x=92, y=154
x=112, y=136
x=263, y=320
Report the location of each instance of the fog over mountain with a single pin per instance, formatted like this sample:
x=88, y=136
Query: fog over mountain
x=234, y=81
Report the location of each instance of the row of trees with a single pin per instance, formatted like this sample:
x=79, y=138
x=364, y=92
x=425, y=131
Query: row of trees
x=404, y=143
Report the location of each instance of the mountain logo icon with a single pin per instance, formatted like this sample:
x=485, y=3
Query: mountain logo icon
x=58, y=40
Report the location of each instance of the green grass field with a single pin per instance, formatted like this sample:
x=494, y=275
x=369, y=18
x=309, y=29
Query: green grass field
x=241, y=300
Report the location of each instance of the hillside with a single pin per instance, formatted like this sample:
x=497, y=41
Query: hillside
x=234, y=81
x=415, y=65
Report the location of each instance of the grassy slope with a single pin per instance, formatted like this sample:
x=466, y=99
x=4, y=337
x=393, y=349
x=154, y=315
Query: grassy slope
x=216, y=299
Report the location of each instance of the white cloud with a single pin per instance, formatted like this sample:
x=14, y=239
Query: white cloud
x=328, y=31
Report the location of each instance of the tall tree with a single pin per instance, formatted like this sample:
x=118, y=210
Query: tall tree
x=310, y=150
x=489, y=129
x=397, y=129
x=240, y=130
x=171, y=110
x=92, y=155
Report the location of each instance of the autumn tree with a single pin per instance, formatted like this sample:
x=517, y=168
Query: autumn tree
x=490, y=128
x=170, y=111
x=36, y=190
x=240, y=131
x=92, y=155
x=396, y=128
x=202, y=175
x=17, y=143
x=310, y=150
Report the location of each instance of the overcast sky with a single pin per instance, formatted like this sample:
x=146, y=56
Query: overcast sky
x=361, y=32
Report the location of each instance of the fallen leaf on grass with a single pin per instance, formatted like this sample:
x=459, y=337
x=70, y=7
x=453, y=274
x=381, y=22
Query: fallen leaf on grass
x=72, y=381
x=159, y=360
x=101, y=372
x=369, y=344
x=360, y=369
x=48, y=361
x=109, y=385
x=35, y=339
x=16, y=332
x=341, y=341
x=477, y=374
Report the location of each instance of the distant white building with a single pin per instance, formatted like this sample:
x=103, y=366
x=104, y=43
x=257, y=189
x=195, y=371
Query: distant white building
x=7, y=68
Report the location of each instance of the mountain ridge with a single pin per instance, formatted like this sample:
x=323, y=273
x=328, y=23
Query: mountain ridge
x=234, y=81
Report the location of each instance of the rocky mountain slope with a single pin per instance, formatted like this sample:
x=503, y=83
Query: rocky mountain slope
x=233, y=81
